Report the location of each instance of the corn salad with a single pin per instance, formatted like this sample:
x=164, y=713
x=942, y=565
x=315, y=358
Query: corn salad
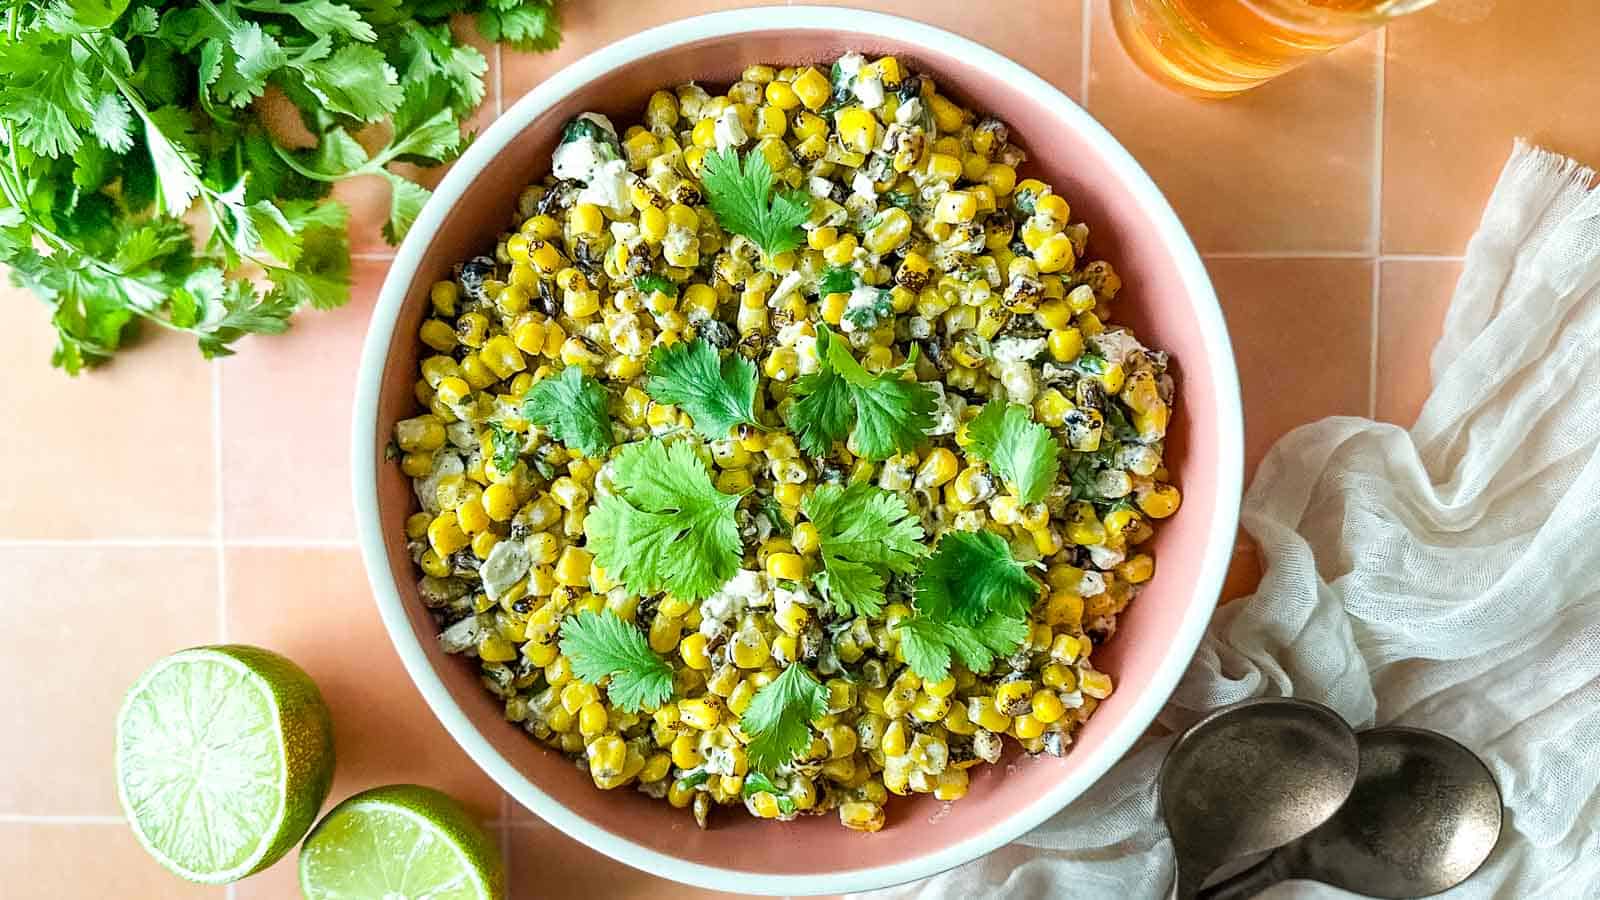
x=941, y=247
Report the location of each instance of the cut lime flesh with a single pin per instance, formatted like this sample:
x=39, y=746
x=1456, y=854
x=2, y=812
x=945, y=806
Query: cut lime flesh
x=401, y=842
x=224, y=756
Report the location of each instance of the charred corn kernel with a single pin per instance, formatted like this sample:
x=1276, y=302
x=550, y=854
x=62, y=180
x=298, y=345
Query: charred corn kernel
x=739, y=700
x=951, y=785
x=806, y=539
x=572, y=569
x=1160, y=502
x=445, y=535
x=1047, y=707
x=686, y=751
x=471, y=328
x=607, y=755
x=502, y=356
x=434, y=564
x=733, y=481
x=812, y=87
x=542, y=548
x=701, y=713
x=861, y=815
x=1059, y=677
x=791, y=619
x=1094, y=684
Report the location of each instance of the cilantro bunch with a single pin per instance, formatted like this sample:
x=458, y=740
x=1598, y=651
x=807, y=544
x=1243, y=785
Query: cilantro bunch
x=138, y=183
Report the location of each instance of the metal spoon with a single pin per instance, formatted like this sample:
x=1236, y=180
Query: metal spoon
x=1251, y=777
x=1424, y=815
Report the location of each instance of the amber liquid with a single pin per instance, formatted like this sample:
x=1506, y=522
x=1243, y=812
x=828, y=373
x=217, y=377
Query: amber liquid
x=1218, y=48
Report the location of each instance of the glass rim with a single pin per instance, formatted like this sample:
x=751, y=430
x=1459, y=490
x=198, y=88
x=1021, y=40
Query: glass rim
x=1298, y=10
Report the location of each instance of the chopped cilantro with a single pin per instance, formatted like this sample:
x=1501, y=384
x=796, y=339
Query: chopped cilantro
x=836, y=280
x=866, y=534
x=507, y=445
x=667, y=528
x=778, y=719
x=1020, y=450
x=573, y=407
x=660, y=284
x=718, y=393
x=758, y=783
x=888, y=413
x=972, y=603
x=741, y=195
x=601, y=646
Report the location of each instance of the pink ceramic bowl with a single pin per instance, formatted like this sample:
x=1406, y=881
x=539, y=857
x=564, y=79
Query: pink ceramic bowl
x=1167, y=298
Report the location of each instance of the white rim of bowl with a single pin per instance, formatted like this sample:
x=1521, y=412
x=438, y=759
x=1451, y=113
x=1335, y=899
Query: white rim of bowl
x=1229, y=475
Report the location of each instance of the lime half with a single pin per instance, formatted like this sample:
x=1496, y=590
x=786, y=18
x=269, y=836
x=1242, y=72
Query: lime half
x=401, y=842
x=224, y=756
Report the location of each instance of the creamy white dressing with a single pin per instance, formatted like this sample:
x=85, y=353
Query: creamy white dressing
x=863, y=297
x=869, y=91
x=863, y=184
x=820, y=187
x=1018, y=349
x=786, y=288
x=909, y=111
x=505, y=565
x=445, y=464
x=729, y=131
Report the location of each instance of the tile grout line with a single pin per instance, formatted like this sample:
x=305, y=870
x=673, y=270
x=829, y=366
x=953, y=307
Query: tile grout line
x=1372, y=354
x=177, y=543
x=220, y=542
x=1380, y=90
x=373, y=255
x=41, y=819
x=1086, y=24
x=499, y=81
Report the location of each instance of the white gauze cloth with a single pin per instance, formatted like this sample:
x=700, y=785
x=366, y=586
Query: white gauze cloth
x=1447, y=577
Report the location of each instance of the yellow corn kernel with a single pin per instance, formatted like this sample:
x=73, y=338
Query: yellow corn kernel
x=445, y=535
x=857, y=129
x=568, y=493
x=888, y=230
x=701, y=713
x=1094, y=684
x=806, y=539
x=500, y=501
x=894, y=739
x=502, y=357
x=438, y=335
x=1054, y=254
x=947, y=116
x=444, y=296
x=471, y=516
x=575, y=695
x=812, y=87
x=1161, y=502
x=792, y=619
x=451, y=391
x=1066, y=344
x=476, y=372
x=1012, y=697
x=861, y=815
x=1137, y=569
x=572, y=569
x=750, y=650
x=592, y=719
x=786, y=566
x=586, y=220
x=420, y=434
x=607, y=755
x=833, y=306
x=781, y=95
x=471, y=328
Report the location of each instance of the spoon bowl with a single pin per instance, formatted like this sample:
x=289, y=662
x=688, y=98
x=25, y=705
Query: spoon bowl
x=1252, y=777
x=1424, y=815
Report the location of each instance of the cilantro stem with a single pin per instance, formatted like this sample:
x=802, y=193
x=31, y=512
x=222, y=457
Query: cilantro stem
x=373, y=166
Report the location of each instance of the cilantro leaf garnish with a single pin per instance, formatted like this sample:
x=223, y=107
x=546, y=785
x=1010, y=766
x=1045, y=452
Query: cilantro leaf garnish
x=889, y=414
x=658, y=283
x=972, y=603
x=1022, y=451
x=507, y=446
x=601, y=645
x=836, y=280
x=573, y=407
x=742, y=197
x=866, y=533
x=779, y=716
x=757, y=782
x=667, y=528
x=717, y=393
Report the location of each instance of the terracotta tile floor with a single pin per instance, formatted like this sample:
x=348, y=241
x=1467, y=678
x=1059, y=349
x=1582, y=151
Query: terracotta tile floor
x=211, y=502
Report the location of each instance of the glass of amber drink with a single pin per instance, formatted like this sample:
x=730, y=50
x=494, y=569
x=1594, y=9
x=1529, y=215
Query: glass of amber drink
x=1219, y=48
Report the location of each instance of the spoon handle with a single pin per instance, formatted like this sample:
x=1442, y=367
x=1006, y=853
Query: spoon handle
x=1251, y=881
